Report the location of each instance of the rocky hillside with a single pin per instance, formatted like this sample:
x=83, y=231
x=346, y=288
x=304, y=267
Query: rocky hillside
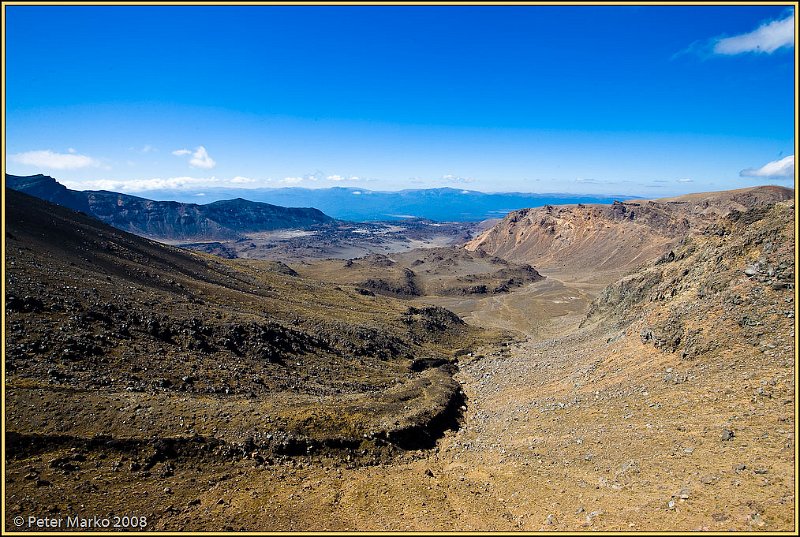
x=240, y=395
x=188, y=344
x=612, y=238
x=170, y=220
x=729, y=286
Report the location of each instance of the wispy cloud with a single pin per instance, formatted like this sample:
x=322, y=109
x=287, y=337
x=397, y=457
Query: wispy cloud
x=339, y=178
x=685, y=180
x=55, y=161
x=170, y=183
x=457, y=179
x=320, y=177
x=309, y=178
x=142, y=185
x=777, y=169
x=200, y=157
x=767, y=38
x=443, y=181
x=590, y=181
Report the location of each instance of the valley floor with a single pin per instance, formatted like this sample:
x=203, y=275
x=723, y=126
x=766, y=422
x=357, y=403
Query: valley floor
x=569, y=428
x=556, y=437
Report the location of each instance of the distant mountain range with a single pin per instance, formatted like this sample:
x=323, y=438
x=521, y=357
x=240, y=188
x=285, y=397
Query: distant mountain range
x=358, y=204
x=226, y=215
x=172, y=220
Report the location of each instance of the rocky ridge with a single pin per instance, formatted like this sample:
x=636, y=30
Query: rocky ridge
x=614, y=238
x=228, y=219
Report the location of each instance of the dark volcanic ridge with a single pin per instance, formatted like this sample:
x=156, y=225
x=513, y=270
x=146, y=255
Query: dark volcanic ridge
x=171, y=220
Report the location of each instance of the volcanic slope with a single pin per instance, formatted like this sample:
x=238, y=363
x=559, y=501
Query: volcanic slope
x=607, y=241
x=116, y=344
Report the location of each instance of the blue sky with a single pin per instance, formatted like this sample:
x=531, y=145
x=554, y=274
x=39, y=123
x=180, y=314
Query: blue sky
x=643, y=101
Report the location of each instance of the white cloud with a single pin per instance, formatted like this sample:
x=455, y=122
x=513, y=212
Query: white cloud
x=313, y=178
x=340, y=178
x=685, y=180
x=777, y=169
x=200, y=157
x=767, y=38
x=148, y=149
x=170, y=183
x=141, y=185
x=71, y=150
x=55, y=161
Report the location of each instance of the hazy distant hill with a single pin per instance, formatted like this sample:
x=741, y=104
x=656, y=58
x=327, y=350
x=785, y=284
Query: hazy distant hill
x=226, y=219
x=441, y=204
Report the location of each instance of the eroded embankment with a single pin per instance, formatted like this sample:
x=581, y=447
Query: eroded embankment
x=410, y=416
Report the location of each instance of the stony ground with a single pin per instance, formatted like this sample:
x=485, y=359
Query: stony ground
x=560, y=433
x=575, y=425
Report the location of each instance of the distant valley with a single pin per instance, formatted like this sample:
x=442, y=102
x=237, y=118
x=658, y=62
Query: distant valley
x=234, y=228
x=363, y=205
